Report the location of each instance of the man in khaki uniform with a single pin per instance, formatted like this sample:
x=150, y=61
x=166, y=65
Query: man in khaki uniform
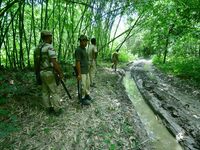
x=115, y=59
x=92, y=50
x=49, y=67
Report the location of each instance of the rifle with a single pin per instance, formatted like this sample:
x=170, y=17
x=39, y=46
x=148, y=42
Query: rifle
x=57, y=77
x=63, y=84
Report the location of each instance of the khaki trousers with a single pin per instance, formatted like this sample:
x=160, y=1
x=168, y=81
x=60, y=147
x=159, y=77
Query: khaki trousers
x=92, y=71
x=85, y=81
x=49, y=91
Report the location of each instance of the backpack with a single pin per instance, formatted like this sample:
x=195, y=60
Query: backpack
x=37, y=62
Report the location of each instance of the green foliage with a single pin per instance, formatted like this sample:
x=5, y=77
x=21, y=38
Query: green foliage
x=4, y=112
x=124, y=57
x=187, y=68
x=112, y=147
x=8, y=123
x=6, y=90
x=164, y=20
x=2, y=100
x=13, y=84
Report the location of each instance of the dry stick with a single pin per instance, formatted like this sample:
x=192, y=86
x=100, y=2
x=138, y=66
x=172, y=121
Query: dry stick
x=145, y=141
x=128, y=30
x=117, y=28
x=127, y=36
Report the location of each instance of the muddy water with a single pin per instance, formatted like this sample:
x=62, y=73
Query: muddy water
x=160, y=137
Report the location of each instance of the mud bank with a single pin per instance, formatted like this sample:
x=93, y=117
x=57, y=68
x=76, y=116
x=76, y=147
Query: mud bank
x=175, y=101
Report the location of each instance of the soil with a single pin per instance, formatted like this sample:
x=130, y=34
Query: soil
x=110, y=122
x=174, y=100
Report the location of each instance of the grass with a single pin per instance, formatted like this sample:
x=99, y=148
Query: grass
x=8, y=124
x=104, y=125
x=182, y=67
x=8, y=121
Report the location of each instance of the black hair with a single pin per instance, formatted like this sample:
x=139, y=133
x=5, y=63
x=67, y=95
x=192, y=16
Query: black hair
x=93, y=41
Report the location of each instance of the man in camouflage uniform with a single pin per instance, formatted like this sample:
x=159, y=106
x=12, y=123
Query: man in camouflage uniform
x=49, y=67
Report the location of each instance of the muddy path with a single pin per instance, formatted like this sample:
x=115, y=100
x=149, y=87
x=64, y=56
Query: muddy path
x=175, y=101
x=110, y=123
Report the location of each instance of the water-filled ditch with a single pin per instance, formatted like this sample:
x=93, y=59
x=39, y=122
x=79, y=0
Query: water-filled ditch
x=159, y=136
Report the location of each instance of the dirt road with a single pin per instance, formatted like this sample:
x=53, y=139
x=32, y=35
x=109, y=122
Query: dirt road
x=176, y=101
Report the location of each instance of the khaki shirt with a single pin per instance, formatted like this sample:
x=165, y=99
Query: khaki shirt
x=115, y=57
x=92, y=49
x=48, y=52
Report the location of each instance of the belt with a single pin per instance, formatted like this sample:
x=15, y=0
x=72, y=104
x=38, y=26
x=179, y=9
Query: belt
x=47, y=69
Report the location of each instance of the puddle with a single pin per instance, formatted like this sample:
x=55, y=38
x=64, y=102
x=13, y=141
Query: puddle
x=160, y=137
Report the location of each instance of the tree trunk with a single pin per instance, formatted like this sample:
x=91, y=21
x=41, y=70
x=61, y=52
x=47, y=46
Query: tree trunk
x=8, y=58
x=41, y=16
x=14, y=52
x=167, y=43
x=33, y=23
x=46, y=16
x=21, y=24
x=166, y=47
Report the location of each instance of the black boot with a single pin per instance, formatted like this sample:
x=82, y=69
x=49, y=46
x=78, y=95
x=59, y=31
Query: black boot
x=58, y=113
x=50, y=110
x=88, y=97
x=85, y=101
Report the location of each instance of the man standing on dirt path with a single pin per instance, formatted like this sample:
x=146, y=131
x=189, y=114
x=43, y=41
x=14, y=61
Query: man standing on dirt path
x=82, y=67
x=115, y=59
x=50, y=67
x=92, y=52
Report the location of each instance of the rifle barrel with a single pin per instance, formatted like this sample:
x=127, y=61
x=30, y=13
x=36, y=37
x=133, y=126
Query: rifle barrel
x=63, y=84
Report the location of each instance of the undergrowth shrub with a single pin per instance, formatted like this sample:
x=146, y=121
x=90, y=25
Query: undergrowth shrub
x=8, y=121
x=123, y=57
x=183, y=67
x=11, y=85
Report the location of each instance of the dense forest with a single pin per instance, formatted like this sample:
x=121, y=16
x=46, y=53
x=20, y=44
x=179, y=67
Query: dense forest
x=167, y=29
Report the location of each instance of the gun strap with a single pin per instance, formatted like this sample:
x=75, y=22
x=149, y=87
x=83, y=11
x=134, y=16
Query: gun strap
x=40, y=58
